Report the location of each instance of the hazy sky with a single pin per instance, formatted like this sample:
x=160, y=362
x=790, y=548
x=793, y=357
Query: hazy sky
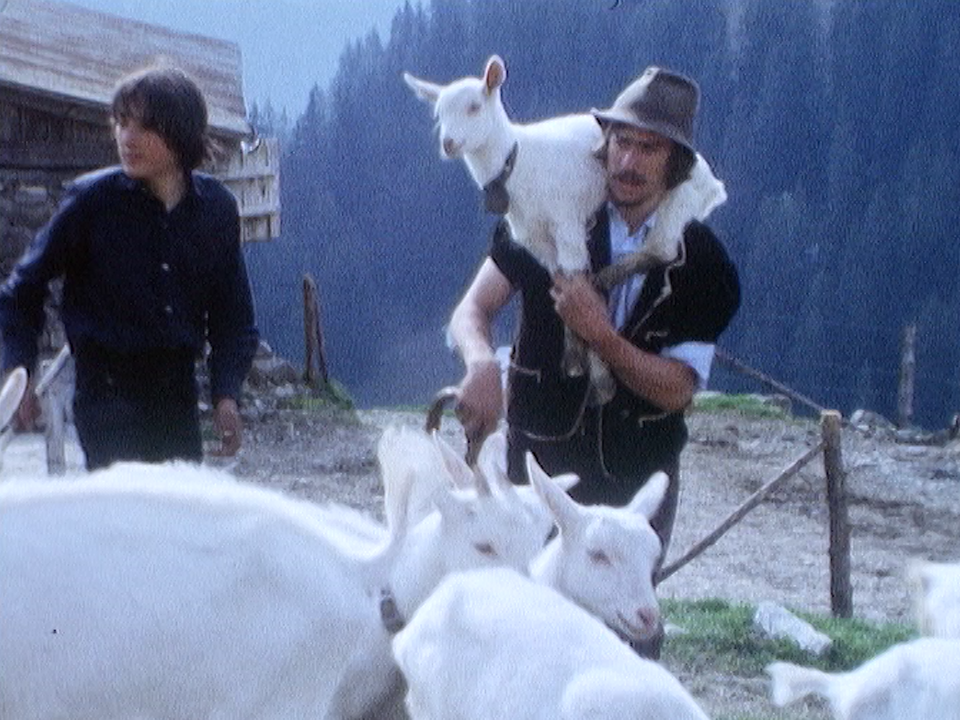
x=287, y=45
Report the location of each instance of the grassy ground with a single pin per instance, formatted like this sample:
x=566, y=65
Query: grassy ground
x=717, y=639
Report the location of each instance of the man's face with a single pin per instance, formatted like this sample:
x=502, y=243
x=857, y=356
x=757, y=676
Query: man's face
x=143, y=153
x=636, y=166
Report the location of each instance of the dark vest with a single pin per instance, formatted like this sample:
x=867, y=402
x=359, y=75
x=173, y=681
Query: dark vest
x=691, y=298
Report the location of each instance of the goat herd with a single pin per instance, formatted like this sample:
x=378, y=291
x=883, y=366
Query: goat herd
x=177, y=591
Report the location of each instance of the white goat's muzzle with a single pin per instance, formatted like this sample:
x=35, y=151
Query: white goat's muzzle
x=450, y=148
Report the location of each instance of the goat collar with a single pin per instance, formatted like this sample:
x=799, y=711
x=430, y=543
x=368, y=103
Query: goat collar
x=495, y=196
x=390, y=616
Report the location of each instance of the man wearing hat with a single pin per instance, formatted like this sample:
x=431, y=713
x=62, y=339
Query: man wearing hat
x=657, y=332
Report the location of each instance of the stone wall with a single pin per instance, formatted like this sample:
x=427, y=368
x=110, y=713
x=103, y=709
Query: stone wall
x=27, y=200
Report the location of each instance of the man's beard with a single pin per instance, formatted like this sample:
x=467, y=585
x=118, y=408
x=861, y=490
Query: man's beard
x=633, y=180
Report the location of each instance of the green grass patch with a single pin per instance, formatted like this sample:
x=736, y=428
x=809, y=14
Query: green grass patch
x=747, y=404
x=719, y=636
x=333, y=395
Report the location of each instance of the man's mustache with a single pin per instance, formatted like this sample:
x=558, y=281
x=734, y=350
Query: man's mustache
x=629, y=177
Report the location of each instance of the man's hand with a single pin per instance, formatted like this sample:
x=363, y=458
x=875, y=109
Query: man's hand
x=480, y=401
x=28, y=412
x=228, y=426
x=581, y=307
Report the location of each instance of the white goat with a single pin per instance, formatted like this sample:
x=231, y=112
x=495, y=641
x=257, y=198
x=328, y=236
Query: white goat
x=937, y=593
x=912, y=680
x=495, y=631
x=554, y=183
x=494, y=644
x=602, y=557
x=160, y=592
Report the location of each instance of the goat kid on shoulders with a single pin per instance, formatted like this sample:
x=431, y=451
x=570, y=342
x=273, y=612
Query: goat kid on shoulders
x=545, y=178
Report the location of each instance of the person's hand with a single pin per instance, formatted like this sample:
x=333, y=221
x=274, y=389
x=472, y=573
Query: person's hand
x=229, y=427
x=28, y=412
x=480, y=400
x=581, y=307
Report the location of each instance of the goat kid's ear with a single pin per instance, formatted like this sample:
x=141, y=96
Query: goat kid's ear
x=423, y=89
x=492, y=463
x=566, y=513
x=493, y=453
x=650, y=496
x=566, y=481
x=494, y=74
x=460, y=473
x=452, y=509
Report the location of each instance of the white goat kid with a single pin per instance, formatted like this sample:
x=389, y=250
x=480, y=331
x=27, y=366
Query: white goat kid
x=603, y=557
x=494, y=644
x=601, y=561
x=161, y=592
x=937, y=593
x=917, y=679
x=554, y=183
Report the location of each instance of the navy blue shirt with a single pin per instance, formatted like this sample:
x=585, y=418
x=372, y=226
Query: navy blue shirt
x=137, y=278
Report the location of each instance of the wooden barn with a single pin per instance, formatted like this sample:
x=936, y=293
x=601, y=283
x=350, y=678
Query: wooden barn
x=59, y=64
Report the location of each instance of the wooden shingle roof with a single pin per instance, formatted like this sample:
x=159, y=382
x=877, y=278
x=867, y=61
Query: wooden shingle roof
x=76, y=55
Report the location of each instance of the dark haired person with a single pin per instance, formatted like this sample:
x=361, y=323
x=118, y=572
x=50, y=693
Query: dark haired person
x=657, y=332
x=149, y=253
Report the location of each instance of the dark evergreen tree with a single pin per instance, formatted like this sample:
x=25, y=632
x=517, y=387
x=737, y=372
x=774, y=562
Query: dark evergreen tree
x=833, y=125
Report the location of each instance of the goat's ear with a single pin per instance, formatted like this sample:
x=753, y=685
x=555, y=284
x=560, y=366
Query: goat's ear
x=423, y=89
x=460, y=473
x=492, y=462
x=650, y=496
x=453, y=509
x=566, y=481
x=564, y=509
x=494, y=74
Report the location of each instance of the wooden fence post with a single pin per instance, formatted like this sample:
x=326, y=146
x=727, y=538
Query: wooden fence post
x=315, y=374
x=53, y=392
x=841, y=594
x=908, y=369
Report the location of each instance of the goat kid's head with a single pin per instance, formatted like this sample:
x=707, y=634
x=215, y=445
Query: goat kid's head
x=469, y=112
x=603, y=557
x=504, y=527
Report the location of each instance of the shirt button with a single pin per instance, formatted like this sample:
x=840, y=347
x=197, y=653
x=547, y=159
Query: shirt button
x=165, y=267
x=168, y=310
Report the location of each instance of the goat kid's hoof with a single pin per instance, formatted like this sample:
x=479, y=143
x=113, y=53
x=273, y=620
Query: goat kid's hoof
x=573, y=363
x=602, y=390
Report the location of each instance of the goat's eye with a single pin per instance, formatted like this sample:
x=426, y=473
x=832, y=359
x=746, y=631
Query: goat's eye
x=473, y=108
x=485, y=549
x=599, y=557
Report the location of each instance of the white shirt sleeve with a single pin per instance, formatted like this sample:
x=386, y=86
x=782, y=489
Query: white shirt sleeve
x=697, y=355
